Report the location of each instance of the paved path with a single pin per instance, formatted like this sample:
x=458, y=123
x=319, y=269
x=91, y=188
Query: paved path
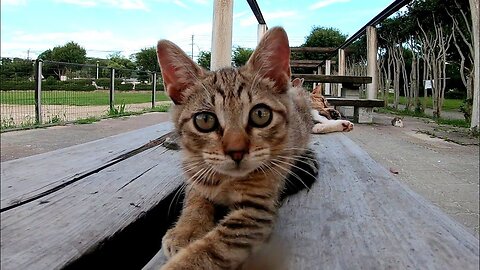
x=446, y=173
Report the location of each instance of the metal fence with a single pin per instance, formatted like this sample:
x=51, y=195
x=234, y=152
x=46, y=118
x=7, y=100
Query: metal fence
x=56, y=92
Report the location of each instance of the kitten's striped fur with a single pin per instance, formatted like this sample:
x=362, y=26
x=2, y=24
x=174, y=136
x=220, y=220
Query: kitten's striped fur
x=238, y=163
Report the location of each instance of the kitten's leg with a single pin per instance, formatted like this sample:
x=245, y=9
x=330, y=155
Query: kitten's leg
x=328, y=126
x=230, y=243
x=196, y=220
x=317, y=118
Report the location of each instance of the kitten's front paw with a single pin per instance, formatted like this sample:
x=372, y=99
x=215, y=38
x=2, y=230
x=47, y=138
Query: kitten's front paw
x=347, y=126
x=179, y=237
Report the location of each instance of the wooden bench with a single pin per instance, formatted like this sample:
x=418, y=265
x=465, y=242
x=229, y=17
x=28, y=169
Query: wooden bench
x=350, y=95
x=356, y=104
x=106, y=204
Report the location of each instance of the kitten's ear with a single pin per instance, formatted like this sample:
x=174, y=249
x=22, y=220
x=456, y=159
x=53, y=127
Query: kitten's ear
x=178, y=70
x=297, y=82
x=271, y=59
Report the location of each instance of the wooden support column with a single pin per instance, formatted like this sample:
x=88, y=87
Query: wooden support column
x=327, y=72
x=475, y=9
x=372, y=48
x=262, y=28
x=222, y=34
x=341, y=69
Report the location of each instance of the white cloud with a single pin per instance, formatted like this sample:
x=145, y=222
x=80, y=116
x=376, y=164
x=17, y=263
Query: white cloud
x=128, y=4
x=96, y=43
x=14, y=2
x=324, y=3
x=180, y=4
x=241, y=14
x=202, y=2
x=122, y=4
x=268, y=17
x=83, y=3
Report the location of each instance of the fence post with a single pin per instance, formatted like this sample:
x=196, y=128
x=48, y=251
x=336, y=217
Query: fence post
x=96, y=75
x=38, y=91
x=112, y=89
x=154, y=89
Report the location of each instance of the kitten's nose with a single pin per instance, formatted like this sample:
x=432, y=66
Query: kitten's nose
x=235, y=144
x=237, y=156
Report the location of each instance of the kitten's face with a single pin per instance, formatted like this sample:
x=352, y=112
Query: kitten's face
x=231, y=121
x=232, y=125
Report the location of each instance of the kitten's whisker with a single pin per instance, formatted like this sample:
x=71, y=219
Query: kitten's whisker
x=298, y=159
x=293, y=174
x=295, y=166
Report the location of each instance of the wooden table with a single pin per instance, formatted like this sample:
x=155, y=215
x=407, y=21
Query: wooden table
x=105, y=204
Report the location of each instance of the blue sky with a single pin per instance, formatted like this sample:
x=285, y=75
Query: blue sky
x=28, y=27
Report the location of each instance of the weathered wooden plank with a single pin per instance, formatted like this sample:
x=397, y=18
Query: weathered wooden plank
x=62, y=226
x=355, y=102
x=314, y=49
x=358, y=216
x=55, y=168
x=334, y=78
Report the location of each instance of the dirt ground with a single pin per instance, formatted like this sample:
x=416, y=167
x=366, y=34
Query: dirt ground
x=445, y=171
x=19, y=115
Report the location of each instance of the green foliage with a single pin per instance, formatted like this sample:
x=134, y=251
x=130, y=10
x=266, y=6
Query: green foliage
x=88, y=120
x=16, y=68
x=117, y=110
x=204, y=58
x=241, y=55
x=324, y=37
x=71, y=52
x=321, y=37
x=146, y=59
x=124, y=66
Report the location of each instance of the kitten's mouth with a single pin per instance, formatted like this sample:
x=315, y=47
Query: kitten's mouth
x=237, y=170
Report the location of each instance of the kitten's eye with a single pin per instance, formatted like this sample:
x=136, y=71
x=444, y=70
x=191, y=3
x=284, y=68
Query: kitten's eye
x=205, y=121
x=260, y=116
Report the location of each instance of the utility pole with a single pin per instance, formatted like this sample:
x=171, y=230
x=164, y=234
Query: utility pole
x=28, y=54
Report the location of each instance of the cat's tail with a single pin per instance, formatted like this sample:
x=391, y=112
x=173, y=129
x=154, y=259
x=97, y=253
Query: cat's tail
x=302, y=175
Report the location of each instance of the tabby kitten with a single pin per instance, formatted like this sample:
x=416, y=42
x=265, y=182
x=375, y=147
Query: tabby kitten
x=241, y=131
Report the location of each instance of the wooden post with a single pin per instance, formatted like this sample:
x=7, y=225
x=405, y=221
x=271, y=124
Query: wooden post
x=154, y=89
x=222, y=34
x=262, y=28
x=38, y=91
x=112, y=89
x=327, y=72
x=372, y=48
x=475, y=9
x=341, y=69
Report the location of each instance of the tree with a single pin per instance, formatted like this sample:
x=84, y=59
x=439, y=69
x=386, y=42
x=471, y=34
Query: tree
x=146, y=59
x=71, y=52
x=204, y=58
x=241, y=55
x=14, y=68
x=124, y=66
x=321, y=37
x=324, y=37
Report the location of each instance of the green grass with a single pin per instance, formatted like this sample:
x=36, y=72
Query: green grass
x=78, y=98
x=448, y=104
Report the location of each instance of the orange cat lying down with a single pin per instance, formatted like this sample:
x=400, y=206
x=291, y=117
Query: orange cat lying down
x=326, y=119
